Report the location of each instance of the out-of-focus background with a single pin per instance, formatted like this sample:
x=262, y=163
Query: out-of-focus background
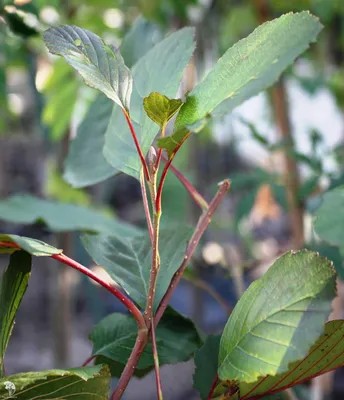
x=280, y=149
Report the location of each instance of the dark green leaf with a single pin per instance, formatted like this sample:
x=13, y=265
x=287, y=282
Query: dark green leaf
x=26, y=209
x=326, y=354
x=91, y=383
x=114, y=337
x=32, y=246
x=160, y=70
x=160, y=108
x=85, y=164
x=12, y=289
x=206, y=362
x=250, y=66
x=269, y=327
x=329, y=220
x=128, y=259
x=101, y=66
x=142, y=36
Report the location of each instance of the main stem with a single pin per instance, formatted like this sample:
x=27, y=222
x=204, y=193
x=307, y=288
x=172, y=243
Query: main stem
x=192, y=245
x=140, y=344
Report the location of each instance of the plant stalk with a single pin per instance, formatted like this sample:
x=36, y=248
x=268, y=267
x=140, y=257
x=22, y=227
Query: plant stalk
x=112, y=289
x=156, y=364
x=202, y=225
x=196, y=196
x=140, y=344
x=137, y=144
x=146, y=206
x=213, y=387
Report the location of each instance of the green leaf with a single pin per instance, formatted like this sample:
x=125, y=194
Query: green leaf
x=160, y=108
x=269, y=327
x=91, y=383
x=250, y=66
x=12, y=289
x=326, y=354
x=128, y=259
x=86, y=164
x=101, y=66
x=27, y=209
x=142, y=36
x=329, y=221
x=206, y=362
x=114, y=337
x=170, y=143
x=32, y=246
x=160, y=70
x=330, y=252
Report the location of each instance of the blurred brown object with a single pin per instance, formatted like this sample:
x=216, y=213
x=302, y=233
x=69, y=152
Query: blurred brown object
x=265, y=206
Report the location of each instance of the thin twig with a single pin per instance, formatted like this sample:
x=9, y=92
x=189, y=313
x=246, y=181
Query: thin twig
x=196, y=196
x=112, y=289
x=200, y=228
x=140, y=344
x=212, y=292
x=137, y=144
x=213, y=387
x=156, y=365
x=86, y=362
x=165, y=170
x=146, y=206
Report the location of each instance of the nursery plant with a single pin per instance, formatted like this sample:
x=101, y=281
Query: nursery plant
x=277, y=335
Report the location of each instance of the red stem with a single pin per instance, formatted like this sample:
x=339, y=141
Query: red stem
x=196, y=237
x=137, y=144
x=86, y=362
x=165, y=170
x=140, y=344
x=79, y=267
x=213, y=386
x=196, y=196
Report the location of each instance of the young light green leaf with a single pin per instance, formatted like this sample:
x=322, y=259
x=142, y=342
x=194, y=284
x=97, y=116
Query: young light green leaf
x=170, y=143
x=329, y=219
x=128, y=259
x=33, y=246
x=91, y=383
x=27, y=209
x=114, y=338
x=13, y=285
x=250, y=66
x=326, y=354
x=160, y=108
x=269, y=327
x=206, y=362
x=160, y=70
x=101, y=66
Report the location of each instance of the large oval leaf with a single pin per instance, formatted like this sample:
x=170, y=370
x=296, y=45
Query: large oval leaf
x=114, y=337
x=269, y=327
x=91, y=383
x=325, y=355
x=128, y=259
x=101, y=66
x=250, y=66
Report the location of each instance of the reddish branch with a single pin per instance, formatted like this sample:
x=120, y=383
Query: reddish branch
x=213, y=387
x=196, y=196
x=200, y=228
x=79, y=267
x=137, y=144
